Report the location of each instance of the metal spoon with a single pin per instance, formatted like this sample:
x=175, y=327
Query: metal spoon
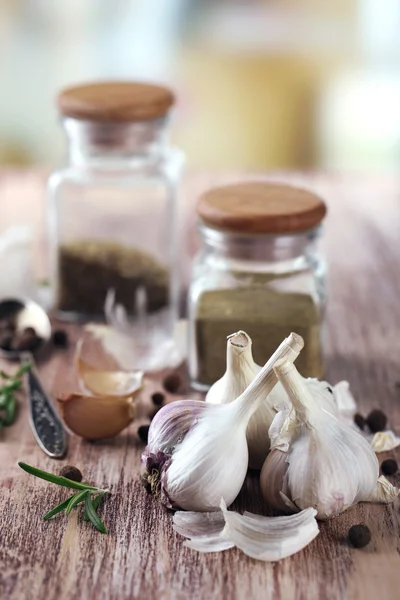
x=46, y=425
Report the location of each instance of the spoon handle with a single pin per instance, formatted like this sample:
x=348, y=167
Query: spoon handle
x=46, y=425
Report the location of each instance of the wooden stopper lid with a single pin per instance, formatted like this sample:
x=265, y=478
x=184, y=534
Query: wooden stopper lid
x=115, y=101
x=258, y=207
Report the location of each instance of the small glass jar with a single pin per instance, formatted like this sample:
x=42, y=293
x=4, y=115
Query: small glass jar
x=112, y=207
x=258, y=271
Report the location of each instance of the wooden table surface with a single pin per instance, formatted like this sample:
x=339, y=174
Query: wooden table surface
x=142, y=557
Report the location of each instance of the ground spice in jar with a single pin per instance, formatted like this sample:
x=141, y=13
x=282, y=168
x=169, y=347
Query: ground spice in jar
x=89, y=268
x=258, y=272
x=267, y=316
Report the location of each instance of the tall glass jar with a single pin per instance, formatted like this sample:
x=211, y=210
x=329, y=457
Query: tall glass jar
x=112, y=206
x=258, y=271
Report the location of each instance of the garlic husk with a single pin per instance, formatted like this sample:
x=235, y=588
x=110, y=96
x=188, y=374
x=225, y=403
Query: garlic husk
x=205, y=458
x=384, y=491
x=240, y=372
x=96, y=417
x=330, y=466
x=105, y=382
x=383, y=441
x=263, y=538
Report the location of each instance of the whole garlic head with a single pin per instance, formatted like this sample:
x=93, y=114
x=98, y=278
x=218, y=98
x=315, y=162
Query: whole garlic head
x=316, y=460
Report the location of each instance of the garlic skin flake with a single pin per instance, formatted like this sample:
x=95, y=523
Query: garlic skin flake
x=316, y=460
x=268, y=539
x=383, y=441
x=197, y=452
x=240, y=372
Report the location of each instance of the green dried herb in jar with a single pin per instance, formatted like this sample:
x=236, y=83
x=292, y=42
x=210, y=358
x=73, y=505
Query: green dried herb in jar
x=89, y=268
x=258, y=271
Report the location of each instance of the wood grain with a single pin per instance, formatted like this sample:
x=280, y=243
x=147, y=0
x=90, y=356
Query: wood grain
x=141, y=557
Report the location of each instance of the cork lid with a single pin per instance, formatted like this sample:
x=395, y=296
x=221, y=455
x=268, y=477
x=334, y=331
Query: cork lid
x=115, y=101
x=258, y=207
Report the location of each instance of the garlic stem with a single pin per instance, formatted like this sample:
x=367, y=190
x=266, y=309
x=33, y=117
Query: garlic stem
x=294, y=386
x=248, y=402
x=239, y=342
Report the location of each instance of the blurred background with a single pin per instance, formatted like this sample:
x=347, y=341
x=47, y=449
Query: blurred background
x=262, y=84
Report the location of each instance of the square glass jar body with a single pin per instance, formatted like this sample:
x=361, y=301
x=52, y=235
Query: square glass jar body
x=113, y=227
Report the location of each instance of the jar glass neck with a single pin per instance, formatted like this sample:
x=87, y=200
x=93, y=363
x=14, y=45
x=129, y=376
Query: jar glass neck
x=259, y=247
x=90, y=141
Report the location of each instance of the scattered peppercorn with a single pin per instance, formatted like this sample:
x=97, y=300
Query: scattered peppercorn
x=376, y=420
x=172, y=383
x=359, y=536
x=359, y=421
x=143, y=433
x=158, y=398
x=329, y=389
x=71, y=472
x=60, y=338
x=389, y=466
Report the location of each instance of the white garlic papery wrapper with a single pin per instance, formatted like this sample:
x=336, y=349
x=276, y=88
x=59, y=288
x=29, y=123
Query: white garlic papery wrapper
x=240, y=372
x=263, y=538
x=197, y=452
x=316, y=460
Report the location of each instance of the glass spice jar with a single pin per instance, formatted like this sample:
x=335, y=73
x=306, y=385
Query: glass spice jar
x=258, y=270
x=112, y=207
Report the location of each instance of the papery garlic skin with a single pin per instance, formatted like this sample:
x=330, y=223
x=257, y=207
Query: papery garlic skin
x=207, y=457
x=240, y=372
x=329, y=466
x=263, y=538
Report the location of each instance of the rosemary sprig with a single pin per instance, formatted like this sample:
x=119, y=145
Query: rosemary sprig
x=85, y=494
x=8, y=401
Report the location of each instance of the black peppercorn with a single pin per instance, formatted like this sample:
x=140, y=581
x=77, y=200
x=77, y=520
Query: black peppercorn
x=376, y=420
x=143, y=433
x=359, y=420
x=71, y=472
x=6, y=340
x=389, y=466
x=60, y=338
x=172, y=383
x=359, y=536
x=329, y=389
x=158, y=398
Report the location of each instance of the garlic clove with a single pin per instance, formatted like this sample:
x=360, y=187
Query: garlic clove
x=105, y=382
x=264, y=538
x=384, y=492
x=96, y=417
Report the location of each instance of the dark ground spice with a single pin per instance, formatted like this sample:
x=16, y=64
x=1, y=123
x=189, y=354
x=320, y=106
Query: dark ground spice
x=267, y=315
x=89, y=268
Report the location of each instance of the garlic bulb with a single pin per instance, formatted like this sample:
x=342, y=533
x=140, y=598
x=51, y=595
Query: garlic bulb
x=240, y=372
x=197, y=452
x=264, y=538
x=316, y=460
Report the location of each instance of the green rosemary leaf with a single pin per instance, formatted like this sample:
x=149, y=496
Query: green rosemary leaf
x=1, y=423
x=58, y=508
x=96, y=504
x=4, y=375
x=75, y=485
x=12, y=386
x=79, y=497
x=3, y=399
x=24, y=368
x=11, y=407
x=92, y=514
